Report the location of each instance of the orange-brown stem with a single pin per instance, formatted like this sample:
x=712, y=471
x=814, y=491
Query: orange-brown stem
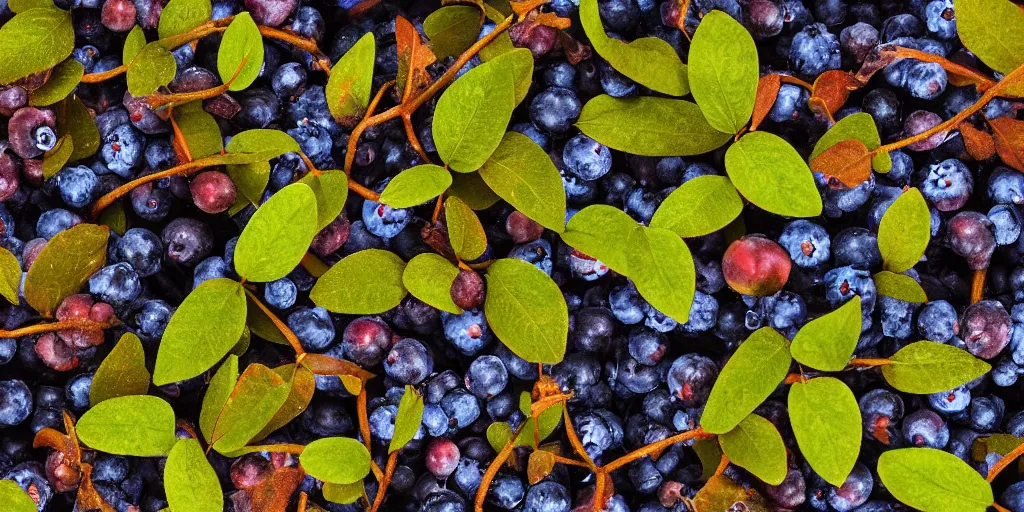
x=574, y=441
x=309, y=164
x=869, y=363
x=722, y=465
x=180, y=144
x=293, y=340
x=438, y=206
x=978, y=285
x=499, y=460
x=983, y=81
x=999, y=508
x=159, y=100
x=1001, y=464
x=362, y=191
x=364, y=430
x=570, y=462
x=601, y=483
x=179, y=170
x=389, y=470
x=369, y=119
x=303, y=501
x=294, y=449
x=88, y=325
x=697, y=433
x=95, y=78
x=786, y=79
x=410, y=133
x=306, y=45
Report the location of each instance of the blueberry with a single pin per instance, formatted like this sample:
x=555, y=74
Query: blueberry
x=855, y=490
x=537, y=252
x=408, y=362
x=924, y=428
x=535, y=134
x=152, y=318
x=117, y=284
x=383, y=220
x=15, y=402
x=506, y=491
x=789, y=102
x=646, y=346
x=1006, y=186
x=187, y=241
x=462, y=409
x=938, y=321
x=486, y=377
x=327, y=418
x=50, y=222
x=950, y=402
x=122, y=150
x=1006, y=223
x=280, y=294
x=814, y=50
x=77, y=391
x=587, y=158
x=560, y=74
x=31, y=477
x=703, y=314
x=313, y=327
x=615, y=84
x=77, y=185
x=140, y=248
x=947, y=184
x=842, y=283
x=986, y=413
x=626, y=304
x=468, y=331
x=213, y=267
x=690, y=379
x=555, y=109
x=547, y=496
x=382, y=423
x=926, y=80
x=435, y=420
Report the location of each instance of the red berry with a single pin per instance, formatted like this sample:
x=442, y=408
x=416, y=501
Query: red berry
x=468, y=290
x=118, y=15
x=213, y=191
x=754, y=265
x=442, y=457
x=331, y=237
x=31, y=251
x=522, y=229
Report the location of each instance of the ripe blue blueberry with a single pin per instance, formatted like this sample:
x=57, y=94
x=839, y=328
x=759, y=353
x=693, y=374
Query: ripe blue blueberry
x=313, y=327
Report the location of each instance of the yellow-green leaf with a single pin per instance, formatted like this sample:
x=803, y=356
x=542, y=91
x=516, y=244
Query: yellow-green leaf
x=180, y=16
x=63, y=80
x=415, y=186
x=10, y=276
x=827, y=426
x=64, y=265
x=336, y=460
x=926, y=367
x=199, y=129
x=994, y=31
x=464, y=229
x=723, y=71
x=756, y=445
x=472, y=114
x=520, y=172
x=772, y=175
x=407, y=422
x=365, y=283
x=827, y=342
x=662, y=269
x=331, y=191
x=217, y=394
x=905, y=231
x=133, y=44
x=343, y=493
x=526, y=310
x=452, y=29
x=751, y=374
x=899, y=286
x=55, y=158
x=137, y=425
x=13, y=496
x=429, y=277
x=123, y=372
x=257, y=396
x=152, y=68
x=650, y=126
x=240, y=57
x=190, y=482
x=75, y=120
x=473, y=190
x=602, y=232
x=860, y=126
x=699, y=207
x=348, y=88
x=35, y=40
x=278, y=235
x=933, y=481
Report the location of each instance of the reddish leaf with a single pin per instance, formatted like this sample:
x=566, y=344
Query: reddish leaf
x=540, y=465
x=413, y=59
x=831, y=90
x=720, y=493
x=767, y=90
x=88, y=498
x=326, y=365
x=980, y=145
x=550, y=19
x=524, y=6
x=1009, y=135
x=875, y=61
x=275, y=492
x=848, y=161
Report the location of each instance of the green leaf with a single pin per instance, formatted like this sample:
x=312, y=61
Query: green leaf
x=899, y=286
x=905, y=231
x=62, y=82
x=699, y=207
x=662, y=269
x=258, y=395
x=452, y=29
x=33, y=41
x=19, y=6
x=429, y=277
x=520, y=172
x=241, y=53
x=55, y=159
x=649, y=126
x=755, y=445
x=648, y=61
x=180, y=16
x=751, y=374
x=520, y=63
x=710, y=455
x=498, y=435
x=122, y=373
x=503, y=43
x=201, y=331
x=473, y=190
x=151, y=69
x=365, y=283
x=542, y=427
x=991, y=29
x=337, y=460
x=343, y=493
x=407, y=422
x=723, y=71
x=64, y=265
x=464, y=230
x=827, y=342
x=14, y=497
x=827, y=426
x=602, y=232
x=348, y=87
x=133, y=44
x=415, y=186
x=860, y=126
x=114, y=218
x=331, y=191
x=137, y=425
x=217, y=394
x=261, y=325
x=76, y=121
x=302, y=385
x=278, y=235
x=199, y=130
x=10, y=276
x=190, y=482
x=933, y=480
x=471, y=116
x=926, y=367
x=251, y=179
x=772, y=175
x=526, y=310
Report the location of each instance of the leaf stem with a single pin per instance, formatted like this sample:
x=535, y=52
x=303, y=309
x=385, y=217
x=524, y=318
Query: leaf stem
x=87, y=325
x=183, y=170
x=978, y=285
x=1001, y=464
x=569, y=462
x=95, y=78
x=722, y=465
x=574, y=440
x=389, y=470
x=983, y=81
x=293, y=340
x=999, y=508
x=364, y=430
x=697, y=433
x=306, y=45
x=368, y=120
x=313, y=265
x=492, y=469
x=870, y=363
x=294, y=449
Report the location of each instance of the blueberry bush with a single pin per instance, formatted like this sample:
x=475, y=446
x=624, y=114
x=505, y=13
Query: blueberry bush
x=526, y=255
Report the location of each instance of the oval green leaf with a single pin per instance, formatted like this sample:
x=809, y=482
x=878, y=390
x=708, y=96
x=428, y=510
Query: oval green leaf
x=905, y=231
x=123, y=372
x=473, y=190
x=452, y=29
x=772, y=175
x=336, y=460
x=217, y=394
x=75, y=120
x=199, y=129
x=519, y=62
x=33, y=41
x=151, y=69
x=499, y=434
x=133, y=44
x=429, y=277
x=13, y=496
x=933, y=481
x=63, y=80
x=19, y=6
x=751, y=374
x=190, y=482
x=55, y=159
x=331, y=191
x=365, y=283
x=251, y=179
x=926, y=367
x=649, y=61
x=407, y=422
x=699, y=207
x=520, y=172
x=526, y=310
x=649, y=126
x=602, y=232
x=137, y=425
x=860, y=126
x=348, y=88
x=201, y=331
x=899, y=286
x=991, y=29
x=180, y=16
x=343, y=493
x=257, y=396
x=472, y=114
x=662, y=269
x=64, y=265
x=240, y=57
x=415, y=186
x=464, y=230
x=827, y=426
x=278, y=235
x=302, y=384
x=542, y=427
x=756, y=445
x=723, y=71
x=10, y=276
x=827, y=342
